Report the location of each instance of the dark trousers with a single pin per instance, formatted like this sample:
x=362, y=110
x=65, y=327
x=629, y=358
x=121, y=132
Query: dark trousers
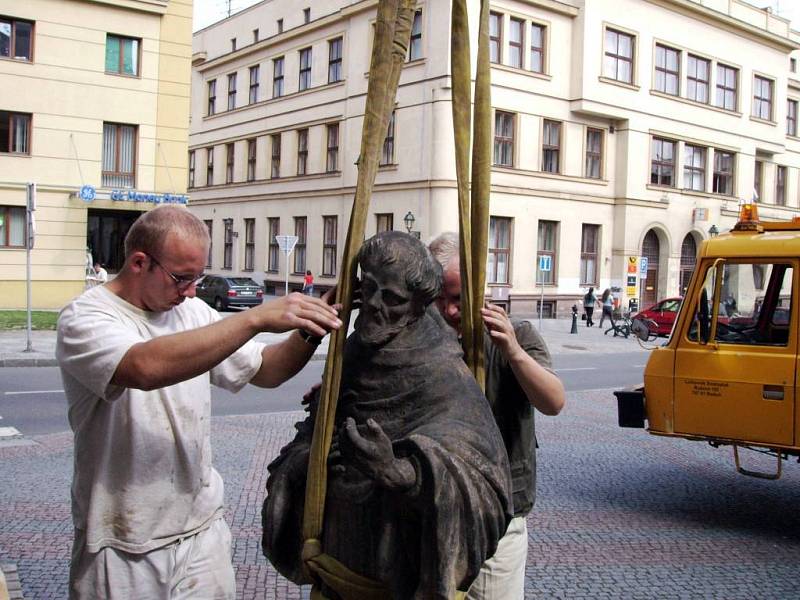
x=589, y=310
x=606, y=313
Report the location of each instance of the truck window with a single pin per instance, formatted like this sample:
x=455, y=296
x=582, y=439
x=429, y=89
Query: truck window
x=754, y=307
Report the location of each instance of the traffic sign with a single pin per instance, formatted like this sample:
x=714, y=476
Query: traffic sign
x=286, y=242
x=545, y=263
x=643, y=267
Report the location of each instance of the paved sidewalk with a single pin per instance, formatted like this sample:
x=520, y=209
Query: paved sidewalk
x=556, y=332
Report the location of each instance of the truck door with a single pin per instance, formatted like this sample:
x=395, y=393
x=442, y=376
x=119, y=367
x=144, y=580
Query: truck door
x=740, y=385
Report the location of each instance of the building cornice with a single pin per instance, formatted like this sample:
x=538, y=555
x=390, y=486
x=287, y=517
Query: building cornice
x=561, y=8
x=151, y=6
x=695, y=9
x=200, y=59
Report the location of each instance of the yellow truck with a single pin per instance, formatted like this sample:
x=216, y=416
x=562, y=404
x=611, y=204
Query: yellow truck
x=729, y=372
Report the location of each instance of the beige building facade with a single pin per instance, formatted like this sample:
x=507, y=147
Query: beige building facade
x=625, y=132
x=94, y=109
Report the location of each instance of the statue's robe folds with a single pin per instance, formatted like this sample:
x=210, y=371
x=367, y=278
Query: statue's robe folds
x=425, y=542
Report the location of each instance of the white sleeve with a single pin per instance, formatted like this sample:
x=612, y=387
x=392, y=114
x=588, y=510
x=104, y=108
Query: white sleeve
x=239, y=368
x=90, y=344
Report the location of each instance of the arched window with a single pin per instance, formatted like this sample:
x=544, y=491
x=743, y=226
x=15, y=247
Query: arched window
x=651, y=249
x=688, y=261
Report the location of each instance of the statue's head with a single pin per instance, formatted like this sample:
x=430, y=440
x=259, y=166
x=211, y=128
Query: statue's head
x=399, y=279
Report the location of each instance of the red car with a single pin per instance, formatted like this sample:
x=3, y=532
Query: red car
x=661, y=315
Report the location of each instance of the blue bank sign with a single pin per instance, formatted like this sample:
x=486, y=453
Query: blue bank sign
x=134, y=196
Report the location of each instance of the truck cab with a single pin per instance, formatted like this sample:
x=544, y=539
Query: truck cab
x=729, y=371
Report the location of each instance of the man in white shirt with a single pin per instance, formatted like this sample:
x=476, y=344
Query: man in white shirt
x=137, y=357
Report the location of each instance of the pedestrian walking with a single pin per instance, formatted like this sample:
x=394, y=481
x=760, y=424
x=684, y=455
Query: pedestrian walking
x=137, y=358
x=607, y=301
x=308, y=284
x=519, y=378
x=589, y=300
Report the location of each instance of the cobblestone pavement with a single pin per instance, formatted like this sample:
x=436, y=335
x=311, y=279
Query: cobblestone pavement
x=620, y=514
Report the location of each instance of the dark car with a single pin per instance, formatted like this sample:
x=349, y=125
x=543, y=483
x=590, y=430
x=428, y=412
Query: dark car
x=228, y=292
x=661, y=315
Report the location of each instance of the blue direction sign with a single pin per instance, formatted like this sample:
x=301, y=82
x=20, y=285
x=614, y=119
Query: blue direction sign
x=545, y=263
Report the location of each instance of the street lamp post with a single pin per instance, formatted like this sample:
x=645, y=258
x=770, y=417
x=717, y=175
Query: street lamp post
x=409, y=221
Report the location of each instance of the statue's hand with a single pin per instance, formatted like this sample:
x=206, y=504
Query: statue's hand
x=372, y=454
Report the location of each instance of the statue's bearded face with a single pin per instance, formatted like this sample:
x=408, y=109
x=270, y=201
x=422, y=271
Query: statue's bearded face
x=387, y=306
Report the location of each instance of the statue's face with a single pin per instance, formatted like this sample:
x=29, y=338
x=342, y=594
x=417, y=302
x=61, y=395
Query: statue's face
x=387, y=306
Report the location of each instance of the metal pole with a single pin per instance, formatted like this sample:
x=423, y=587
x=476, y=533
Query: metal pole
x=286, y=291
x=28, y=246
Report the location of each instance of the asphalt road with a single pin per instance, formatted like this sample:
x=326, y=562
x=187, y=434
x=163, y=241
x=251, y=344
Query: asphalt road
x=32, y=398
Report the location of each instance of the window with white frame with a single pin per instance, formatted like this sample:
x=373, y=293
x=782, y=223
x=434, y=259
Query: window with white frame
x=590, y=242
x=335, y=60
x=332, y=155
x=780, y=185
x=537, y=47
x=277, y=77
x=762, y=97
x=275, y=156
x=515, y=42
x=329, y=241
x=229, y=158
x=694, y=168
x=231, y=91
x=499, y=250
x=255, y=74
x=300, y=246
x=791, y=117
x=191, y=168
x=758, y=177
x=119, y=155
x=209, y=166
x=384, y=222
x=503, y=138
x=618, y=56
x=727, y=87
x=662, y=162
x=249, y=244
x=697, y=73
x=415, y=44
x=668, y=61
x=227, y=246
x=594, y=153
x=387, y=151
x=546, y=246
x=495, y=37
x=273, y=250
x=551, y=146
x=305, y=69
x=212, y=97
x=302, y=151
x=723, y=172
x=251, y=160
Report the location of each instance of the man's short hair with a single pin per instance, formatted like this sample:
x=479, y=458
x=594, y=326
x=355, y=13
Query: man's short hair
x=423, y=274
x=445, y=248
x=149, y=232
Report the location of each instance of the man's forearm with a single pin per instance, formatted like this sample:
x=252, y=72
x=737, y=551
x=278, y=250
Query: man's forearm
x=543, y=389
x=170, y=359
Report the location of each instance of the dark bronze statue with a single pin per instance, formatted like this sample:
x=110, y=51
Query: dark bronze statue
x=419, y=489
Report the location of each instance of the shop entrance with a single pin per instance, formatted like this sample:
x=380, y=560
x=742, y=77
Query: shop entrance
x=105, y=236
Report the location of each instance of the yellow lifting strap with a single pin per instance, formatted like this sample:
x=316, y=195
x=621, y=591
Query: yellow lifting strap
x=473, y=212
x=392, y=35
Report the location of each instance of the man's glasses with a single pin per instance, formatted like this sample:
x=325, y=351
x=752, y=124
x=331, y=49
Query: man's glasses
x=181, y=281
